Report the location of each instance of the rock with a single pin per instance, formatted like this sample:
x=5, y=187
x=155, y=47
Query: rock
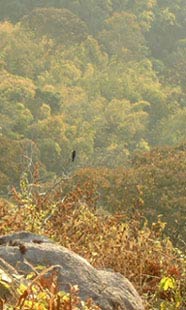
x=108, y=289
x=23, y=236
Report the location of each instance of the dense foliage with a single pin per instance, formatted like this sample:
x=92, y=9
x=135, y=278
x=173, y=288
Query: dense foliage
x=105, y=78
x=139, y=251
x=154, y=184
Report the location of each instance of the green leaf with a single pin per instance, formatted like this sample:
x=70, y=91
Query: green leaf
x=22, y=288
x=167, y=283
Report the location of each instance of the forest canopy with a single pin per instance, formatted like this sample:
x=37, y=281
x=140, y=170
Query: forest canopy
x=105, y=78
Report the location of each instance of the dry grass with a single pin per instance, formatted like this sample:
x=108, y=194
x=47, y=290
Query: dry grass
x=129, y=246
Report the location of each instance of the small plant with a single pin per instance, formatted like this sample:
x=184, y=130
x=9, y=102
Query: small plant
x=40, y=292
x=131, y=246
x=170, y=291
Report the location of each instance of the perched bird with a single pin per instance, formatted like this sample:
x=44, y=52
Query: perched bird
x=73, y=155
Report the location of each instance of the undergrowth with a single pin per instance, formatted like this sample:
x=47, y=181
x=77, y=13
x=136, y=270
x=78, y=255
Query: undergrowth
x=38, y=291
x=140, y=252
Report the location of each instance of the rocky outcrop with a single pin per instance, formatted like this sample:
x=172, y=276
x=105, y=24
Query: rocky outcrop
x=108, y=289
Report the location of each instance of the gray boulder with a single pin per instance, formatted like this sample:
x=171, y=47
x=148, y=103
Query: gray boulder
x=108, y=289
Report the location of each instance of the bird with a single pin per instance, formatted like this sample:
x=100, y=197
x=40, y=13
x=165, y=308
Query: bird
x=73, y=155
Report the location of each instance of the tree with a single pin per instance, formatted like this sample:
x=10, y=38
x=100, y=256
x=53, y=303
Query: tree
x=93, y=12
x=51, y=155
x=15, y=95
x=21, y=53
x=122, y=36
x=176, y=65
x=50, y=97
x=10, y=162
x=173, y=128
x=59, y=24
x=49, y=134
x=165, y=31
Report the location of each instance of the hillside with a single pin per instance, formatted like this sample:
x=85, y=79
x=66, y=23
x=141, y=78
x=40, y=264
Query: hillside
x=106, y=79
x=89, y=76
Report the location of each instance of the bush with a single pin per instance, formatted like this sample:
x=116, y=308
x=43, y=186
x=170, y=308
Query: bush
x=141, y=252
